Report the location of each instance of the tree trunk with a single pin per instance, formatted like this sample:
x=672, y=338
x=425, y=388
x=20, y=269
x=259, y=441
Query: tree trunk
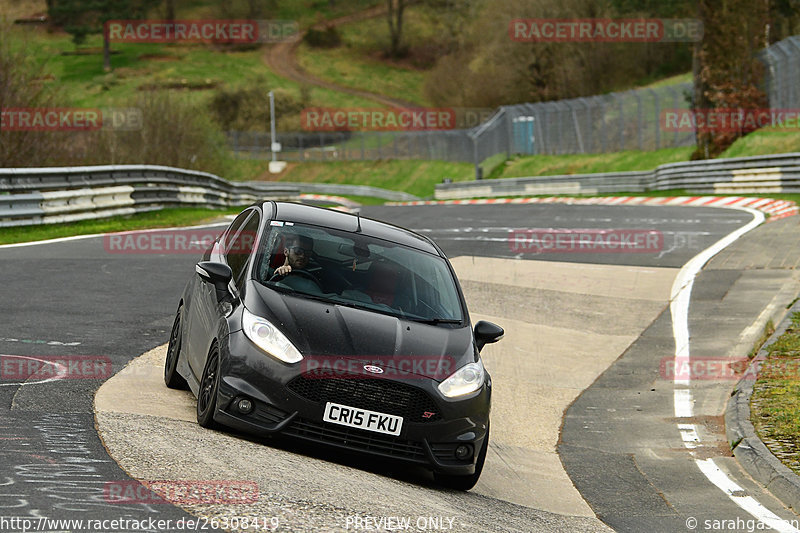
x=106, y=53
x=728, y=75
x=395, y=17
x=170, y=10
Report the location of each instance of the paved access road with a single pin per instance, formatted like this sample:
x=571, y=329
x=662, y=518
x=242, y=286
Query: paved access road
x=75, y=298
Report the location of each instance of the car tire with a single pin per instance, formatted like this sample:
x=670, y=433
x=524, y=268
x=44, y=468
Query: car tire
x=207, y=394
x=172, y=378
x=468, y=481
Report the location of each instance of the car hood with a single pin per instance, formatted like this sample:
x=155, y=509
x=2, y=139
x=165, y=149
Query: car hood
x=326, y=332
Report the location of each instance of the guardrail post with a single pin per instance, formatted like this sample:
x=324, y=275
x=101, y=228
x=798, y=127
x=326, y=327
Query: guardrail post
x=640, y=119
x=657, y=111
x=478, y=173
x=676, y=100
x=621, y=123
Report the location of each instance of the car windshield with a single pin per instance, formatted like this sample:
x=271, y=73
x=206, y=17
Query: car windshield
x=359, y=271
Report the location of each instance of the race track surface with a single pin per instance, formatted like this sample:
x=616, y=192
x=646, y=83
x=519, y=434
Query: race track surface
x=569, y=317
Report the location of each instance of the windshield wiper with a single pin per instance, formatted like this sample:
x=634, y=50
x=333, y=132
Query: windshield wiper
x=435, y=321
x=280, y=288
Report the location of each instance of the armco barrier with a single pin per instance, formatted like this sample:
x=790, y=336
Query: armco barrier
x=64, y=194
x=743, y=175
x=353, y=190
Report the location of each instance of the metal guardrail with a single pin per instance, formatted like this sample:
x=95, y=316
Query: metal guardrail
x=352, y=190
x=742, y=175
x=31, y=196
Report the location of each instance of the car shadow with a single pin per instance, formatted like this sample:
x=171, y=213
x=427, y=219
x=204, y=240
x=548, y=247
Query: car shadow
x=387, y=467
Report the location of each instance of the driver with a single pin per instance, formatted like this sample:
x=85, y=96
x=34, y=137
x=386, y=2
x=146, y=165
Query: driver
x=298, y=251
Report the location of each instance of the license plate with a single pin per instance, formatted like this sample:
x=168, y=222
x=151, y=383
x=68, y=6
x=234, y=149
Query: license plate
x=362, y=418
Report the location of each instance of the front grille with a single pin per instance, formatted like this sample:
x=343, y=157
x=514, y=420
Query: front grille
x=356, y=439
x=374, y=394
x=267, y=413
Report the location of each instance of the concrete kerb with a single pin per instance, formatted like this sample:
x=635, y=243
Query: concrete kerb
x=749, y=450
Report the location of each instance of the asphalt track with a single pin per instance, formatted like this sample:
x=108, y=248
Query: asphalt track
x=74, y=298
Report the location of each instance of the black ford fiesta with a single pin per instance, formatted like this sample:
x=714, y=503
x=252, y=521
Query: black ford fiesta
x=337, y=329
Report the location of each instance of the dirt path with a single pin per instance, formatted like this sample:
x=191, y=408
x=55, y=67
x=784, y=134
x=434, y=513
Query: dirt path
x=282, y=59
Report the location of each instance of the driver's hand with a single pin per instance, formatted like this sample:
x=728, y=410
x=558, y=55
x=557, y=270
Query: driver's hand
x=283, y=270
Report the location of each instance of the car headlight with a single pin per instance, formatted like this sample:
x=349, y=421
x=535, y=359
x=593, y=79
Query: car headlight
x=465, y=380
x=269, y=338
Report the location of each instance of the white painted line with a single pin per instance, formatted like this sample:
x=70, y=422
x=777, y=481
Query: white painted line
x=61, y=371
x=689, y=435
x=740, y=497
x=93, y=235
x=684, y=403
x=683, y=399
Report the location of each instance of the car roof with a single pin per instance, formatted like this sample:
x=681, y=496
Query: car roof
x=320, y=216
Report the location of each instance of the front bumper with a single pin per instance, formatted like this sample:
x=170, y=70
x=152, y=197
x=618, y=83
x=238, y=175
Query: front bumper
x=285, y=402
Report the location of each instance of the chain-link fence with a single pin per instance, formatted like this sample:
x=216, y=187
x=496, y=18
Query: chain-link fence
x=447, y=145
x=630, y=120
x=618, y=121
x=782, y=61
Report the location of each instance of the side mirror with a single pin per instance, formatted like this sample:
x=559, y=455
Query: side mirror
x=219, y=274
x=487, y=333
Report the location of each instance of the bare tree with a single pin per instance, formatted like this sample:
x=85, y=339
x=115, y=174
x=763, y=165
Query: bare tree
x=395, y=18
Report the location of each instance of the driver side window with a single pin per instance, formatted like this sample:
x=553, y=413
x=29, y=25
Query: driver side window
x=240, y=249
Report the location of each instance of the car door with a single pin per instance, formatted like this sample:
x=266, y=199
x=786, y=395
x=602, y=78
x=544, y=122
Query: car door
x=202, y=312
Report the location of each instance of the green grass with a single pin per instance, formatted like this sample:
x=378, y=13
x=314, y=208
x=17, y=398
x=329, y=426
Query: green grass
x=359, y=63
x=164, y=218
x=412, y=176
x=305, y=12
x=775, y=404
x=420, y=177
x=763, y=142
x=672, y=80
x=553, y=165
x=769, y=329
x=82, y=81
x=363, y=200
x=349, y=69
x=246, y=169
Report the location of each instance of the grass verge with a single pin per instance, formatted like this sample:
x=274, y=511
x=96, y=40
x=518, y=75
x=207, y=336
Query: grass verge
x=410, y=175
x=359, y=63
x=140, y=66
x=553, y=165
x=769, y=329
x=775, y=404
x=164, y=218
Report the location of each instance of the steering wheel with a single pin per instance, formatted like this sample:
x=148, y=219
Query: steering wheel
x=303, y=273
